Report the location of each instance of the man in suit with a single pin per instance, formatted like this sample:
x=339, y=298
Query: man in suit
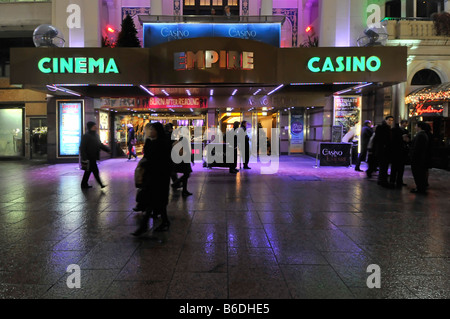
x=366, y=134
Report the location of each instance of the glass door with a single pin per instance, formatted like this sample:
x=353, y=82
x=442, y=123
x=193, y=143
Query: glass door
x=11, y=132
x=38, y=136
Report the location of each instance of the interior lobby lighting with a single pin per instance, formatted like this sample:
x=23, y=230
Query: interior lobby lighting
x=257, y=92
x=211, y=93
x=146, y=90
x=107, y=85
x=307, y=83
x=361, y=86
x=188, y=92
x=165, y=92
x=54, y=88
x=276, y=89
x=234, y=92
x=344, y=91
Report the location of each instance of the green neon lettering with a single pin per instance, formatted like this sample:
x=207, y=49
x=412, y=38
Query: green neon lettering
x=41, y=66
x=340, y=62
x=349, y=64
x=66, y=65
x=55, y=66
x=328, y=65
x=80, y=65
x=311, y=67
x=99, y=64
x=111, y=67
x=359, y=64
x=377, y=61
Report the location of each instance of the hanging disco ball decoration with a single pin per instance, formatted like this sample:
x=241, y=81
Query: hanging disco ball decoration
x=49, y=36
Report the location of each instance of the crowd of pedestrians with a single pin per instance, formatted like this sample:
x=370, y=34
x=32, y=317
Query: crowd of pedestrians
x=390, y=145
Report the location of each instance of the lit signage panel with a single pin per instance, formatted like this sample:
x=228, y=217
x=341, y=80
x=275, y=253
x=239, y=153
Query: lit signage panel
x=70, y=127
x=158, y=33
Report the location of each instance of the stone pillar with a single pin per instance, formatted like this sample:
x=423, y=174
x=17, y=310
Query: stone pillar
x=404, y=9
x=266, y=7
x=447, y=6
x=156, y=7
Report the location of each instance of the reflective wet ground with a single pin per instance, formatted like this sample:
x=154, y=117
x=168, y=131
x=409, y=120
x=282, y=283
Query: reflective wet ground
x=304, y=232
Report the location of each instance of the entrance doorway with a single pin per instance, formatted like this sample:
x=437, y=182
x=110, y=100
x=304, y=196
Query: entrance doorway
x=38, y=138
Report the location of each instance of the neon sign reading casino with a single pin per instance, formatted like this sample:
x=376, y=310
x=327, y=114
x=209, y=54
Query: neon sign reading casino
x=344, y=64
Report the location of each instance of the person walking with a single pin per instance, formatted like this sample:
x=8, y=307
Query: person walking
x=168, y=130
x=398, y=157
x=245, y=153
x=185, y=169
x=90, y=147
x=419, y=158
x=233, y=148
x=366, y=134
x=383, y=149
x=156, y=182
x=131, y=142
x=371, y=157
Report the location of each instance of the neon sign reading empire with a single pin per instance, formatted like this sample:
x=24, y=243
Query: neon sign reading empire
x=344, y=64
x=77, y=65
x=206, y=59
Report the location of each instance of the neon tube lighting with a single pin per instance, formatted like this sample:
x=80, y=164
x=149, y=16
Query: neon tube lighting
x=188, y=92
x=114, y=84
x=234, y=92
x=276, y=89
x=361, y=86
x=146, y=90
x=307, y=83
x=54, y=88
x=211, y=92
x=257, y=92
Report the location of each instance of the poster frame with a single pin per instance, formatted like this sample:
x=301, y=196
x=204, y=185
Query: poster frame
x=58, y=129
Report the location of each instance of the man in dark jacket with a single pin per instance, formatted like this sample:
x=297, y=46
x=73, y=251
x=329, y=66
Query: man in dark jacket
x=90, y=151
x=400, y=151
x=383, y=149
x=419, y=158
x=366, y=134
x=131, y=142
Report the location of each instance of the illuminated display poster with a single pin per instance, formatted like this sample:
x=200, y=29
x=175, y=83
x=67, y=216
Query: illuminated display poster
x=70, y=118
x=347, y=112
x=158, y=33
x=297, y=133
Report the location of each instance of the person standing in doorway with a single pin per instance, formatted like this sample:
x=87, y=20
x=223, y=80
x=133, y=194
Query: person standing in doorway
x=227, y=11
x=400, y=151
x=366, y=134
x=246, y=151
x=90, y=147
x=419, y=158
x=156, y=181
x=383, y=149
x=233, y=147
x=168, y=130
x=131, y=142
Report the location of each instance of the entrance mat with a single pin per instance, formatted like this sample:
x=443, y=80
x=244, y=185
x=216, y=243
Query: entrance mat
x=306, y=178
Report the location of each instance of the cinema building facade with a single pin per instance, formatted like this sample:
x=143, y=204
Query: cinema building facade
x=209, y=79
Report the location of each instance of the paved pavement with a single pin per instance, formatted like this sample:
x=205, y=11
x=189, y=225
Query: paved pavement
x=304, y=232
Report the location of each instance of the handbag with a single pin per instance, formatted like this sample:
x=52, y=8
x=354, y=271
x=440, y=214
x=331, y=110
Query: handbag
x=133, y=141
x=85, y=165
x=139, y=174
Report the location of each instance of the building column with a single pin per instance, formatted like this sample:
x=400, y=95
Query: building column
x=447, y=6
x=403, y=15
x=266, y=7
x=156, y=7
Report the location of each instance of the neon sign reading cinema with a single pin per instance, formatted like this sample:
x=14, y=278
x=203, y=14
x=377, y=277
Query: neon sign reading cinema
x=81, y=65
x=344, y=64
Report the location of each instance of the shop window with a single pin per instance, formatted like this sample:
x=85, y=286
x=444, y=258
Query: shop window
x=11, y=132
x=426, y=77
x=203, y=7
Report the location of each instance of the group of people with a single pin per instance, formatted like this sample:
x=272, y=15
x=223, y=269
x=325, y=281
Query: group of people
x=245, y=149
x=391, y=145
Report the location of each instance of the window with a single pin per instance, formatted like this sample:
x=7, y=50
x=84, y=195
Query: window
x=203, y=7
x=426, y=77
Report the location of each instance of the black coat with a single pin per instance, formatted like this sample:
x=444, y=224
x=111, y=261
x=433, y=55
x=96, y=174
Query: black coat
x=420, y=156
x=383, y=141
x=90, y=147
x=131, y=135
x=366, y=134
x=157, y=171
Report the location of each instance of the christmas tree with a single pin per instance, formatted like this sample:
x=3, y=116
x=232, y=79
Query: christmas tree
x=128, y=35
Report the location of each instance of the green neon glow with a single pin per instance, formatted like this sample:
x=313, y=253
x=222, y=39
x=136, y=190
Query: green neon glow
x=41, y=65
x=376, y=60
x=311, y=62
x=80, y=65
x=344, y=64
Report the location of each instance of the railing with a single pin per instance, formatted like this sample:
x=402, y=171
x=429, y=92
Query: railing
x=211, y=19
x=22, y=1
x=412, y=29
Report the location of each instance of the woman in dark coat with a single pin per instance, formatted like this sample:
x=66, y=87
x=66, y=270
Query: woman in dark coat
x=131, y=142
x=156, y=177
x=186, y=170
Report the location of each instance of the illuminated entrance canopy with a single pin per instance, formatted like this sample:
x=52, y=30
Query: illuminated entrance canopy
x=206, y=59
x=344, y=64
x=81, y=65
